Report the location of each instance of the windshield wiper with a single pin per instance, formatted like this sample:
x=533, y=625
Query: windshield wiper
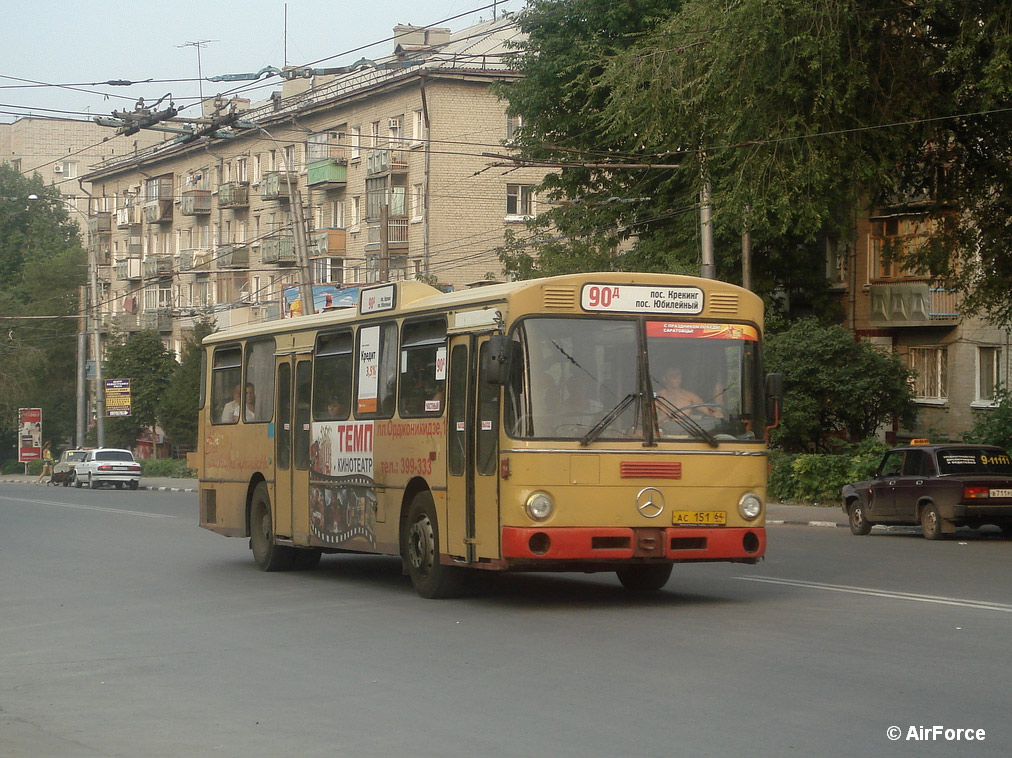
x=685, y=420
x=603, y=424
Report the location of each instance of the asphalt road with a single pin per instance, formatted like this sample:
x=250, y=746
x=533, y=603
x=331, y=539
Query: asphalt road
x=128, y=631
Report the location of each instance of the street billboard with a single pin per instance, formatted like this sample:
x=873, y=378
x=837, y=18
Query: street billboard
x=326, y=297
x=29, y=434
x=117, y=397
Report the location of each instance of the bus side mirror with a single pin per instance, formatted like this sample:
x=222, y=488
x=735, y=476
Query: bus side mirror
x=497, y=367
x=774, y=396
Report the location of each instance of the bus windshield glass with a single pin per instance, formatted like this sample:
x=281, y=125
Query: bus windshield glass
x=582, y=379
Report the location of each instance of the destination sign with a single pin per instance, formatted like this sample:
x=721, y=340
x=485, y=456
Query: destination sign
x=628, y=298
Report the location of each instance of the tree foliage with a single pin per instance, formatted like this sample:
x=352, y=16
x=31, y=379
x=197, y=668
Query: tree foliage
x=143, y=359
x=835, y=386
x=42, y=265
x=800, y=115
x=178, y=408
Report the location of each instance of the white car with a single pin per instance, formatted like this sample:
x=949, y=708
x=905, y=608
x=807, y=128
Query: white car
x=107, y=465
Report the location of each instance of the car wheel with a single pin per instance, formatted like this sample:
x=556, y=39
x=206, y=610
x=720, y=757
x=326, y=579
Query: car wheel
x=645, y=578
x=420, y=552
x=859, y=525
x=1006, y=531
x=267, y=555
x=77, y=481
x=91, y=482
x=119, y=485
x=134, y=484
x=931, y=523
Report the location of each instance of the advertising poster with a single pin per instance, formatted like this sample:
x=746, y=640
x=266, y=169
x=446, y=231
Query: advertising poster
x=326, y=297
x=117, y=397
x=368, y=369
x=29, y=434
x=342, y=493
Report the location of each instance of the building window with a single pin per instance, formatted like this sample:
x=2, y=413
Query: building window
x=394, y=131
x=512, y=124
x=241, y=174
x=337, y=214
x=69, y=169
x=891, y=240
x=356, y=142
x=988, y=362
x=931, y=366
x=418, y=127
x=417, y=202
x=519, y=200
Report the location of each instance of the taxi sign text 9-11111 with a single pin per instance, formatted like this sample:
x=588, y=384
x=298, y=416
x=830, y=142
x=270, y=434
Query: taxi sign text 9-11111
x=641, y=299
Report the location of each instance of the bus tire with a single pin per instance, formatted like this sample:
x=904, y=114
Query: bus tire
x=267, y=554
x=420, y=552
x=644, y=577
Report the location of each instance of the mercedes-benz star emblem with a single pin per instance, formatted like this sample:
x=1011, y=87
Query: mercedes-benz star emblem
x=650, y=502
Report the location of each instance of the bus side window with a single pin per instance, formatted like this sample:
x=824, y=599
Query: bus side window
x=376, y=376
x=226, y=385
x=332, y=377
x=423, y=368
x=260, y=374
x=488, y=419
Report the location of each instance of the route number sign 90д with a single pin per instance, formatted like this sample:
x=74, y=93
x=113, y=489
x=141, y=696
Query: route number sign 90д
x=637, y=299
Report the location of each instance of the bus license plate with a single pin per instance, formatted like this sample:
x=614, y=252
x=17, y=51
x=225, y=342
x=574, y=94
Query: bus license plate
x=699, y=517
x=1000, y=493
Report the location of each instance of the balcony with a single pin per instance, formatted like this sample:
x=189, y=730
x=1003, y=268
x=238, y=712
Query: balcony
x=233, y=195
x=195, y=202
x=195, y=260
x=158, y=211
x=100, y=223
x=386, y=161
x=129, y=216
x=328, y=243
x=232, y=256
x=397, y=235
x=912, y=303
x=125, y=322
x=274, y=185
x=128, y=268
x=157, y=320
x=157, y=266
x=279, y=249
x=329, y=173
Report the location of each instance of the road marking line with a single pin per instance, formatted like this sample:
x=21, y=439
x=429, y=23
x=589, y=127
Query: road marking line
x=85, y=507
x=935, y=599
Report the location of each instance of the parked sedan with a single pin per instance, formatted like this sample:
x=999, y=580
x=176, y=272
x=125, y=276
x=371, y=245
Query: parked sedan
x=938, y=487
x=106, y=465
x=63, y=471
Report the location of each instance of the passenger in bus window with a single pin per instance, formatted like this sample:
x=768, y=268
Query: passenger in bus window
x=251, y=402
x=336, y=408
x=230, y=413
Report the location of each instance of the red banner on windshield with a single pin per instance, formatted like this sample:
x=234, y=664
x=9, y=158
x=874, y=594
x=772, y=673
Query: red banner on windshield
x=688, y=330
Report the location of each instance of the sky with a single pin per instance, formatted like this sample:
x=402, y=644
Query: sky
x=74, y=42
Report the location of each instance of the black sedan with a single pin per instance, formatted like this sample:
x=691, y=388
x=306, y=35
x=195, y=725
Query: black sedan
x=938, y=487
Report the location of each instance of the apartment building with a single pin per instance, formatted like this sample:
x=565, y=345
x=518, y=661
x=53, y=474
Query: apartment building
x=62, y=150
x=960, y=360
x=206, y=228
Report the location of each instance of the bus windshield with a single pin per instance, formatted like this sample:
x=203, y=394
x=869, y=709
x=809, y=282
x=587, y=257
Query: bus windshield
x=582, y=379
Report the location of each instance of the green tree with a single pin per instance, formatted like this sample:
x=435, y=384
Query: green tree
x=143, y=359
x=835, y=386
x=42, y=265
x=993, y=426
x=800, y=114
x=179, y=403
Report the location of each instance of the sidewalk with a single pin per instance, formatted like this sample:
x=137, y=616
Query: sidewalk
x=776, y=513
x=154, y=483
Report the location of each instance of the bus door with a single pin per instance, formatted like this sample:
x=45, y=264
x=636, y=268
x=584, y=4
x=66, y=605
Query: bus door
x=472, y=453
x=292, y=447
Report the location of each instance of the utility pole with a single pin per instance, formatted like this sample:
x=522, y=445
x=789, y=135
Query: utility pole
x=384, y=242
x=97, y=335
x=301, y=251
x=746, y=259
x=82, y=358
x=708, y=269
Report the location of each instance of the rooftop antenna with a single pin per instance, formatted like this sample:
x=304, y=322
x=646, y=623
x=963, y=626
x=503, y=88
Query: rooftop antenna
x=200, y=74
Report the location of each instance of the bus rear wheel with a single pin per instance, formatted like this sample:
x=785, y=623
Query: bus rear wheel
x=420, y=552
x=267, y=554
x=644, y=577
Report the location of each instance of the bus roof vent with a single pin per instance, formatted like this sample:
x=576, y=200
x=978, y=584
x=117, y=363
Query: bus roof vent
x=556, y=298
x=723, y=302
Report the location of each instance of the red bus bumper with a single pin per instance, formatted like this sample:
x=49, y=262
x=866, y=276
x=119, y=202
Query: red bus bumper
x=618, y=544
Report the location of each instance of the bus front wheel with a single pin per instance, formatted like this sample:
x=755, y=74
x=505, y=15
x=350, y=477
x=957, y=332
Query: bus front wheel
x=267, y=554
x=420, y=552
x=644, y=577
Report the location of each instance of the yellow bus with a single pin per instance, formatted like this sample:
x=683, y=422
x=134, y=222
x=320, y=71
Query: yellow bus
x=591, y=422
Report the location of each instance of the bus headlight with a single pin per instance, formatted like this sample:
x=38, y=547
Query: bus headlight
x=750, y=506
x=540, y=506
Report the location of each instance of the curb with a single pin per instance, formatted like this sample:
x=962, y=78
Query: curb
x=788, y=522
x=141, y=487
